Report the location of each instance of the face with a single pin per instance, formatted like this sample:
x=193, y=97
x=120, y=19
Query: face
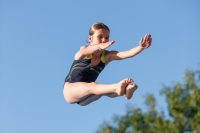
x=99, y=36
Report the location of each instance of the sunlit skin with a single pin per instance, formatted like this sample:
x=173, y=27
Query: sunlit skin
x=99, y=41
x=101, y=37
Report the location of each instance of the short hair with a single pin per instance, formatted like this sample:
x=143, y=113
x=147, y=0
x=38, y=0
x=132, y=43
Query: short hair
x=97, y=26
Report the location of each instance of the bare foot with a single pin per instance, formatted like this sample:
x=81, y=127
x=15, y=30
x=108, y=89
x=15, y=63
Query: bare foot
x=122, y=86
x=129, y=90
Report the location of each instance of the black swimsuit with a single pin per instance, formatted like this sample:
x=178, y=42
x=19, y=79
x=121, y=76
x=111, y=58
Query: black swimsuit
x=82, y=71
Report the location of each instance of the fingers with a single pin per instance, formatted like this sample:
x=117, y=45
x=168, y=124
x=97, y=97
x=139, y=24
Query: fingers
x=106, y=45
x=142, y=40
x=112, y=41
x=150, y=41
x=145, y=42
x=147, y=37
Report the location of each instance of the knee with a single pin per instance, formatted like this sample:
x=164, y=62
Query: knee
x=92, y=86
x=67, y=97
x=68, y=100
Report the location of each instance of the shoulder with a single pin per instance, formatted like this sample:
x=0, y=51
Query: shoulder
x=79, y=54
x=83, y=47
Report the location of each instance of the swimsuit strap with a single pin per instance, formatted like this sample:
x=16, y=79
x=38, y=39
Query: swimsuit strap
x=102, y=56
x=90, y=57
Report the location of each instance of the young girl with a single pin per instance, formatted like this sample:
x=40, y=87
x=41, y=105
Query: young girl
x=80, y=86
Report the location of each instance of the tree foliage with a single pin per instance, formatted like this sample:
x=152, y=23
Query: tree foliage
x=183, y=100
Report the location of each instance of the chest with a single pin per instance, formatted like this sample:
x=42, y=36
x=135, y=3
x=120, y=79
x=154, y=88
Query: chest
x=95, y=61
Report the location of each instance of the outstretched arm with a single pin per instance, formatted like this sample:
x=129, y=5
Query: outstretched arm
x=144, y=43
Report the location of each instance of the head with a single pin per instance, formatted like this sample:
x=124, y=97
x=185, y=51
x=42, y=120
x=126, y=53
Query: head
x=98, y=33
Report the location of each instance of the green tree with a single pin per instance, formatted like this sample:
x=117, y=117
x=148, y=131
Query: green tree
x=183, y=100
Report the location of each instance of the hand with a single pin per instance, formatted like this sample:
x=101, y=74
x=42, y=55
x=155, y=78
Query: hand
x=106, y=45
x=145, y=42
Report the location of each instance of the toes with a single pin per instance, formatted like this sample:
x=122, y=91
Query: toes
x=128, y=80
x=135, y=86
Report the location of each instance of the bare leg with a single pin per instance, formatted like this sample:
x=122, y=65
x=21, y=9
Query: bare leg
x=112, y=95
x=128, y=94
x=74, y=92
x=89, y=99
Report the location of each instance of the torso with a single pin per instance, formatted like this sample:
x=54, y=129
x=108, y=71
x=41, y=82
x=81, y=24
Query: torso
x=86, y=69
x=95, y=61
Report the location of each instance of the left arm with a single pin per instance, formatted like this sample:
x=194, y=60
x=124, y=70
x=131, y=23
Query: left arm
x=144, y=43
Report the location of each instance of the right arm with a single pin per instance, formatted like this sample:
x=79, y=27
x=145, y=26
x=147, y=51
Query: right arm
x=90, y=49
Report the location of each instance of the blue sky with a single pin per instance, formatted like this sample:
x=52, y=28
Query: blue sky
x=38, y=40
